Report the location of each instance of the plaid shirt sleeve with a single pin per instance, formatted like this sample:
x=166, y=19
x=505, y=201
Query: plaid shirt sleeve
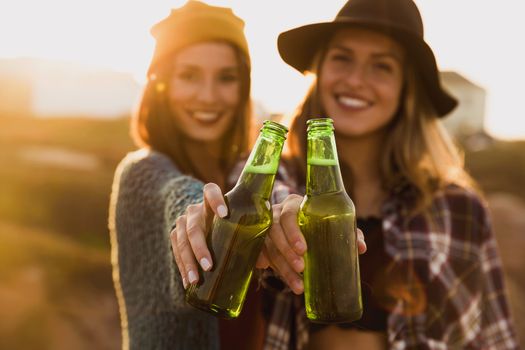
x=452, y=291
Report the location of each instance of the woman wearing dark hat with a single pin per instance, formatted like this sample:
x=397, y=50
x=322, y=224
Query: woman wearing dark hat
x=192, y=125
x=431, y=277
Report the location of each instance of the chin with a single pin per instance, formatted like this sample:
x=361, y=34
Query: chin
x=347, y=130
x=356, y=133
x=204, y=137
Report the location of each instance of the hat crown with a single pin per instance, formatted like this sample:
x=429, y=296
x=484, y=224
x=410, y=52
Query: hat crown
x=194, y=10
x=193, y=23
x=402, y=14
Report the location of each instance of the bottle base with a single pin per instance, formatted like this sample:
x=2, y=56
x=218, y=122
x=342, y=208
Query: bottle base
x=213, y=309
x=327, y=319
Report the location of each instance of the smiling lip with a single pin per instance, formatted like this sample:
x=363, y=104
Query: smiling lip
x=204, y=116
x=352, y=102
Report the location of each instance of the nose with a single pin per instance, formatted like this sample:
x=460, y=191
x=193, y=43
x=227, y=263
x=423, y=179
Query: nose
x=356, y=75
x=207, y=92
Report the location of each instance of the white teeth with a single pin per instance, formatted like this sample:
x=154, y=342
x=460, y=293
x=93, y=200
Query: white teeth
x=352, y=102
x=205, y=116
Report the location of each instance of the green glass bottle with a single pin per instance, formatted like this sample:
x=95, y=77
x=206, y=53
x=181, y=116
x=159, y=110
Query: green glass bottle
x=236, y=240
x=332, y=286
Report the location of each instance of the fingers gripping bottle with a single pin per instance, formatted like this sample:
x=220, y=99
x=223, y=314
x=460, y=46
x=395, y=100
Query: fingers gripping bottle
x=236, y=240
x=332, y=287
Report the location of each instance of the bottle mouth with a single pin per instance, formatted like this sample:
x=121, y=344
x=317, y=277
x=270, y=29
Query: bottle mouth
x=320, y=123
x=275, y=127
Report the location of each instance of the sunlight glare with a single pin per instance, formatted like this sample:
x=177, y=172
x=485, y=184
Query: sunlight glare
x=115, y=35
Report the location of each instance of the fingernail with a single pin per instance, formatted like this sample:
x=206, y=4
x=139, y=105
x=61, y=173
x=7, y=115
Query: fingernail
x=222, y=211
x=192, y=277
x=300, y=247
x=298, y=286
x=184, y=282
x=298, y=263
x=205, y=264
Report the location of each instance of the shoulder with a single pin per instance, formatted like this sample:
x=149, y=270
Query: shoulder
x=461, y=203
x=460, y=213
x=455, y=214
x=146, y=167
x=146, y=161
x=148, y=172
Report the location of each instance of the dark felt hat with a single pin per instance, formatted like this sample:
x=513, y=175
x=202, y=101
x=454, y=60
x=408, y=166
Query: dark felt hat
x=399, y=19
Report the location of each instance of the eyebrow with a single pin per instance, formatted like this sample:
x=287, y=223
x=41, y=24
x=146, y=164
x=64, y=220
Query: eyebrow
x=189, y=65
x=377, y=54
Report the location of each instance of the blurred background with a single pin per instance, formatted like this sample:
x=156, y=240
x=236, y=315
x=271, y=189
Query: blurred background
x=70, y=75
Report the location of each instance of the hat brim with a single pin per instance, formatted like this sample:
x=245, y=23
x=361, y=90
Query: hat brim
x=298, y=47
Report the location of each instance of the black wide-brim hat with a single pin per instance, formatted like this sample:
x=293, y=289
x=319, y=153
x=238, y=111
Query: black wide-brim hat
x=399, y=19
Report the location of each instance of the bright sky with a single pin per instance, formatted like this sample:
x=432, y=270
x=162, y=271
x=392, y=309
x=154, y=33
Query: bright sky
x=478, y=38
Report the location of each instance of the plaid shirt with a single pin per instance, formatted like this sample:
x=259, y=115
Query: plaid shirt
x=444, y=286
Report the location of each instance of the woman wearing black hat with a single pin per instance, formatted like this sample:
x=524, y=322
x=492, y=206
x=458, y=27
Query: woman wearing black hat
x=431, y=277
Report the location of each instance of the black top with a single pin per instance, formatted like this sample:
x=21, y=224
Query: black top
x=371, y=265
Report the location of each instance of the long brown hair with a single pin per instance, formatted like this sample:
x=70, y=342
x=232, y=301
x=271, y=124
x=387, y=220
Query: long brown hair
x=417, y=151
x=155, y=126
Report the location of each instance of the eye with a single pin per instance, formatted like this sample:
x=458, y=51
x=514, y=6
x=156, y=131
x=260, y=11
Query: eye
x=187, y=76
x=340, y=57
x=228, y=77
x=386, y=67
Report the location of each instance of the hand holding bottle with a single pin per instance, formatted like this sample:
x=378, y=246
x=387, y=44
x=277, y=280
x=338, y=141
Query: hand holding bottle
x=188, y=239
x=285, y=245
x=283, y=249
x=236, y=235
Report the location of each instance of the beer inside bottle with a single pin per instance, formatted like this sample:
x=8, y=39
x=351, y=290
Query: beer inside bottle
x=236, y=241
x=332, y=286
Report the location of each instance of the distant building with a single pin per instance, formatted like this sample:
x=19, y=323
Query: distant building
x=468, y=118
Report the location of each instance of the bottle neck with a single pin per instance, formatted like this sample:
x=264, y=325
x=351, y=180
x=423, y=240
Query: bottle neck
x=259, y=171
x=323, y=174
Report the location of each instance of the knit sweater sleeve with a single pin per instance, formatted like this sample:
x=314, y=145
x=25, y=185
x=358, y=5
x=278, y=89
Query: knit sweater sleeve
x=148, y=194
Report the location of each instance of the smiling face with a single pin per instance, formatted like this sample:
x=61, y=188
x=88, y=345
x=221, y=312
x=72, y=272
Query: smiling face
x=360, y=81
x=204, y=89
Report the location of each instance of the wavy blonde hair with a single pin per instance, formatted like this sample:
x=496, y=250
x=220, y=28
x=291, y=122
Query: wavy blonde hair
x=418, y=149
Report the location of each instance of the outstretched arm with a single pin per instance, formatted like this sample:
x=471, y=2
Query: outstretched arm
x=148, y=195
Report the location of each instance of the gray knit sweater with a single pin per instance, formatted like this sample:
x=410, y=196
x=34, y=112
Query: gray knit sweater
x=148, y=193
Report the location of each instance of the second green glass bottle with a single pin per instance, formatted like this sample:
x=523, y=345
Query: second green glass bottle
x=332, y=286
